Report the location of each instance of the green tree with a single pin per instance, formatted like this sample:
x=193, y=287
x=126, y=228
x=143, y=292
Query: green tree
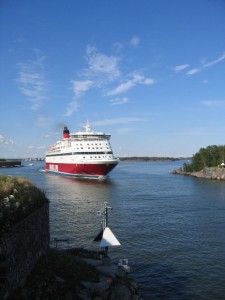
x=210, y=156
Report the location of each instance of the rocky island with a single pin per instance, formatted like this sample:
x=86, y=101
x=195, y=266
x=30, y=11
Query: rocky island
x=207, y=163
x=215, y=173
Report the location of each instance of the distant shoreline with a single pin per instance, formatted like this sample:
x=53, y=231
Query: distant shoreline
x=10, y=163
x=151, y=159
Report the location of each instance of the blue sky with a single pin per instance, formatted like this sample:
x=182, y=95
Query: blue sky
x=150, y=72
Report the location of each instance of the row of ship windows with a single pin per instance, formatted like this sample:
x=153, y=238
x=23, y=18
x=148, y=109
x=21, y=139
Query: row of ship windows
x=91, y=144
x=97, y=157
x=79, y=153
x=92, y=148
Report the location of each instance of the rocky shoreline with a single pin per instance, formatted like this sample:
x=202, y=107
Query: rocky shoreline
x=80, y=274
x=214, y=173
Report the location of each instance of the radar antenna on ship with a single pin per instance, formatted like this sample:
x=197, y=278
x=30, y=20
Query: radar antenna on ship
x=88, y=127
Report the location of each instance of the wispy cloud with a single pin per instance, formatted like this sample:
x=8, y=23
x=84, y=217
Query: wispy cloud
x=49, y=135
x=214, y=62
x=206, y=65
x=193, y=71
x=124, y=120
x=72, y=107
x=195, y=132
x=135, y=41
x=125, y=130
x=135, y=78
x=100, y=64
x=43, y=121
x=79, y=88
x=102, y=72
x=5, y=141
x=213, y=103
x=32, y=82
x=119, y=101
x=180, y=68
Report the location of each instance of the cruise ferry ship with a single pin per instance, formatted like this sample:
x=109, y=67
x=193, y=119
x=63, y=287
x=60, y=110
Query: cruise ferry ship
x=82, y=154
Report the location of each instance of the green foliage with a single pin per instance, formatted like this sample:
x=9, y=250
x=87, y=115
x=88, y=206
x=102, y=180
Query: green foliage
x=211, y=156
x=18, y=199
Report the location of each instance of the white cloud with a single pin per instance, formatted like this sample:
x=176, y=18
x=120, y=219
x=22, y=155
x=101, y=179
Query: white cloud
x=125, y=130
x=196, y=132
x=213, y=102
x=72, y=107
x=81, y=86
x=206, y=65
x=124, y=120
x=136, y=78
x=5, y=142
x=100, y=64
x=1, y=139
x=135, y=41
x=32, y=83
x=49, y=135
x=118, y=101
x=41, y=147
x=180, y=68
x=192, y=71
x=216, y=61
x=122, y=88
x=101, y=72
x=43, y=121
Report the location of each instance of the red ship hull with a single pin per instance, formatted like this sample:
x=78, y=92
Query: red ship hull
x=80, y=170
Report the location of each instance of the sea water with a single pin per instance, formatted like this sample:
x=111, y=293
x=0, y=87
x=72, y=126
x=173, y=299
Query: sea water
x=171, y=227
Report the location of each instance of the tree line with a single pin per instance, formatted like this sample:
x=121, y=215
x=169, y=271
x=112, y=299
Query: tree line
x=210, y=156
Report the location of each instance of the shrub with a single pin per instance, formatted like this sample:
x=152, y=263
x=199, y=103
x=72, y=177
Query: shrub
x=18, y=199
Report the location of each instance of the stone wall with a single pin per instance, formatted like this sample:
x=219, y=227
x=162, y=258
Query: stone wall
x=21, y=248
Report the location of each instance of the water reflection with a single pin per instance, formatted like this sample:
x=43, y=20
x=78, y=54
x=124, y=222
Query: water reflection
x=73, y=207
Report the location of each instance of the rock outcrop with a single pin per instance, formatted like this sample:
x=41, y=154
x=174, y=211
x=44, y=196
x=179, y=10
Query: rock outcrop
x=215, y=173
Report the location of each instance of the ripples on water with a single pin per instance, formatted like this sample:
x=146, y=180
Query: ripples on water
x=172, y=228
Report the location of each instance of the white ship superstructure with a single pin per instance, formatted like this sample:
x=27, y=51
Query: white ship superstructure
x=84, y=153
